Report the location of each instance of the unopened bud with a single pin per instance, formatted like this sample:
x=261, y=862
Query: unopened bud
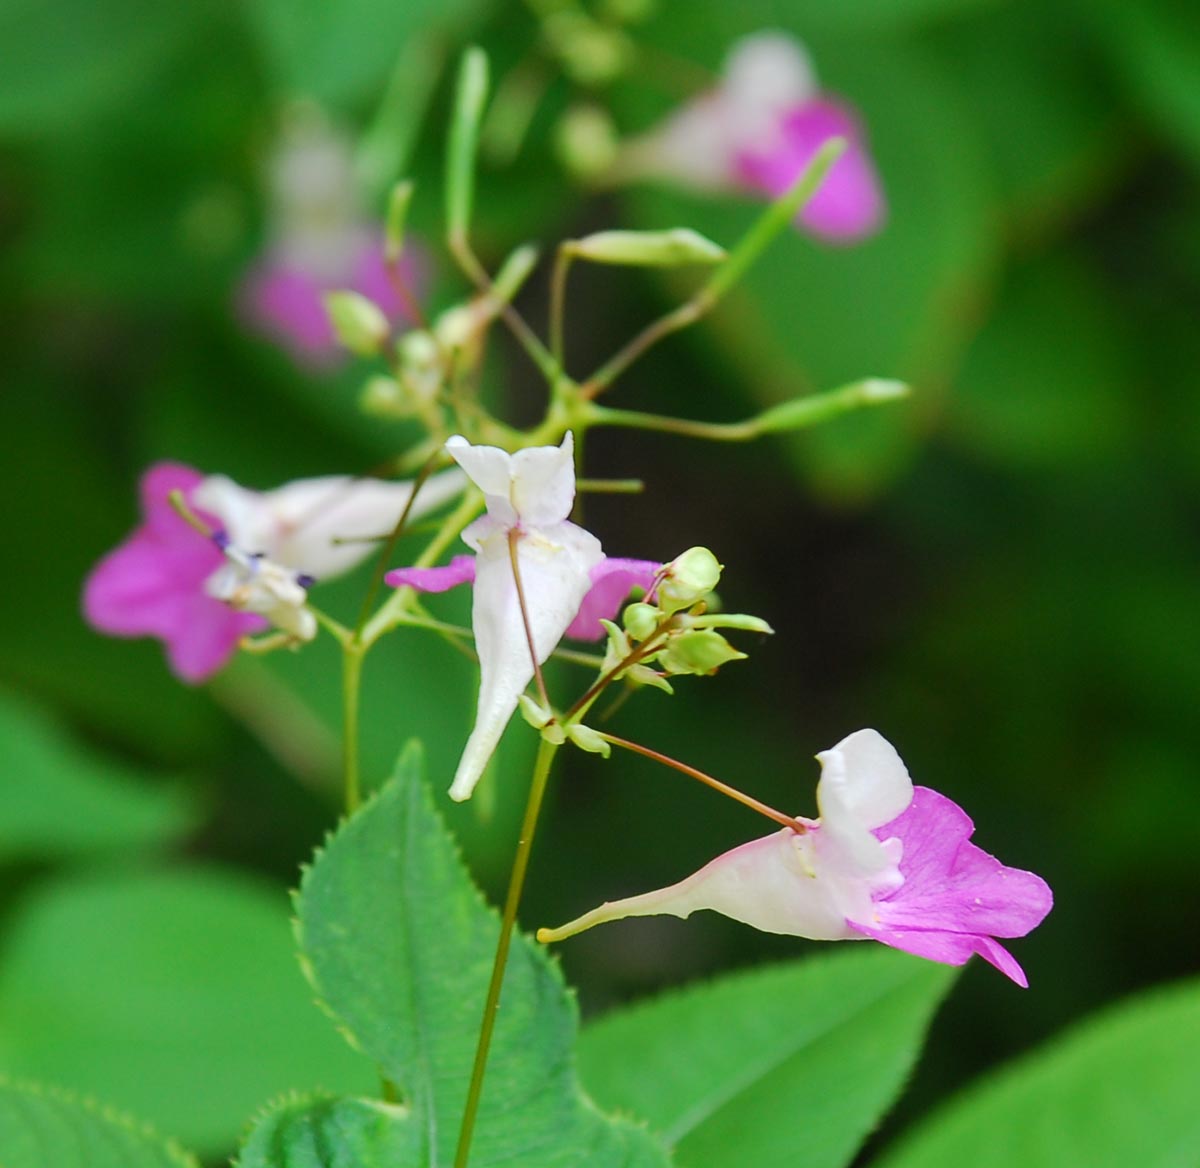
x=383, y=397
x=456, y=326
x=689, y=578
x=648, y=249
x=586, y=141
x=701, y=652
x=359, y=323
x=644, y=675
x=641, y=621
x=588, y=739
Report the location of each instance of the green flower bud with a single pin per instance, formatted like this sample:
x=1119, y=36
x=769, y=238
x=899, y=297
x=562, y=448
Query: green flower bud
x=542, y=720
x=691, y=577
x=359, y=323
x=383, y=397
x=728, y=620
x=640, y=675
x=700, y=652
x=618, y=647
x=588, y=739
x=641, y=620
x=648, y=249
x=585, y=140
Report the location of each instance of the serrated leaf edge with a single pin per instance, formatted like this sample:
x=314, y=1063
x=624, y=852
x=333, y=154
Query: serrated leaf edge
x=105, y=1111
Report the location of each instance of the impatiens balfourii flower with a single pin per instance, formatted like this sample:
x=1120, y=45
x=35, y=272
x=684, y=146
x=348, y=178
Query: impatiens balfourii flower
x=529, y=496
x=885, y=860
x=758, y=130
x=320, y=242
x=612, y=580
x=201, y=595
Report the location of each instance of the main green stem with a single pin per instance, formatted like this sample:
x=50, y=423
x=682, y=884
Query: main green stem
x=352, y=661
x=516, y=883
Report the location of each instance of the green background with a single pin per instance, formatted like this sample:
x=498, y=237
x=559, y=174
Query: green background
x=1002, y=575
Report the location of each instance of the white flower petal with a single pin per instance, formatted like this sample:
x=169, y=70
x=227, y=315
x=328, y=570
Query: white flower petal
x=769, y=883
x=863, y=785
x=490, y=469
x=555, y=565
x=300, y=525
x=543, y=482
x=313, y=516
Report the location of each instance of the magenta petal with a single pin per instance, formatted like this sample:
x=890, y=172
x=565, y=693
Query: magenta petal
x=206, y=635
x=153, y=583
x=460, y=570
x=949, y=883
x=285, y=303
x=849, y=204
x=955, y=899
x=372, y=279
x=948, y=948
x=613, y=579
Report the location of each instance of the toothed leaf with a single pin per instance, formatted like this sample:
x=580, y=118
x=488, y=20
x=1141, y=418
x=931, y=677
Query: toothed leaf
x=42, y=1127
x=399, y=944
x=305, y=1131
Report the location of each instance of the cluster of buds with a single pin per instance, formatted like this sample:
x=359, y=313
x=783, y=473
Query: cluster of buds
x=672, y=631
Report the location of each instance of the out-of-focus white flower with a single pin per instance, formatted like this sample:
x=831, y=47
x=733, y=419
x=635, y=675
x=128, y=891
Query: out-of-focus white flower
x=757, y=130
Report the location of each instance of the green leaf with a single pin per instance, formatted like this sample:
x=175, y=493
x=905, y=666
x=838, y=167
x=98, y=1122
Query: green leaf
x=311, y=1132
x=62, y=801
x=338, y=52
x=1116, y=1091
x=737, y=1070
x=175, y=996
x=44, y=1127
x=399, y=947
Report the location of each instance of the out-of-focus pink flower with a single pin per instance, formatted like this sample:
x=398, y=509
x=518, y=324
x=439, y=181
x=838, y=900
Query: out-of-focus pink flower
x=885, y=860
x=153, y=584
x=613, y=579
x=319, y=242
x=758, y=130
x=201, y=595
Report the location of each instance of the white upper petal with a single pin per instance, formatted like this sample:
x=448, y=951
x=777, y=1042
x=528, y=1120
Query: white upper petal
x=768, y=72
x=863, y=786
x=490, y=469
x=535, y=486
x=543, y=482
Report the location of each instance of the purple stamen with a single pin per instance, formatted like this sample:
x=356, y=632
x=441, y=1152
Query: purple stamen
x=305, y=580
x=221, y=539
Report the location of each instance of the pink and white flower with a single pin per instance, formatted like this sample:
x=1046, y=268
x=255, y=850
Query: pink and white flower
x=528, y=496
x=201, y=595
x=885, y=860
x=758, y=130
x=320, y=242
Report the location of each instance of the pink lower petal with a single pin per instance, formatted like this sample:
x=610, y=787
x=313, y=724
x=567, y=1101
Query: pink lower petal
x=460, y=570
x=613, y=579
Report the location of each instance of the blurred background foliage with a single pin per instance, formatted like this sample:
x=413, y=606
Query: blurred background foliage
x=1001, y=575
